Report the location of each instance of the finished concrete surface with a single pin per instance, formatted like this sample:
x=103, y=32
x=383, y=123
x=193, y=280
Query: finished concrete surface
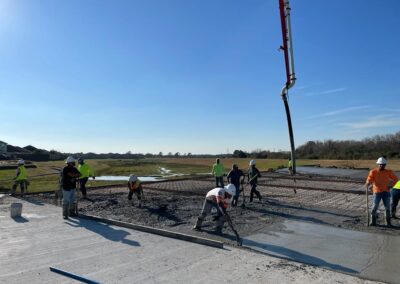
x=370, y=255
x=30, y=244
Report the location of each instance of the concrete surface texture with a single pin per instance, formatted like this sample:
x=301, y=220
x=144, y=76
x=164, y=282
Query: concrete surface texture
x=370, y=255
x=38, y=239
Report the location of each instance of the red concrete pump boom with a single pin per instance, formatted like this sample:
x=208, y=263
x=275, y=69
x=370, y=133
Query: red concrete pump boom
x=287, y=48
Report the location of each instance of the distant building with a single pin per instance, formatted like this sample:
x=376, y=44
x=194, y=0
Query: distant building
x=3, y=147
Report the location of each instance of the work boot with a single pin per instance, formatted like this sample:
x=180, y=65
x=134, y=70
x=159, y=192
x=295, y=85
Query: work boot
x=393, y=213
x=197, y=226
x=65, y=211
x=72, y=210
x=218, y=230
x=373, y=221
x=388, y=222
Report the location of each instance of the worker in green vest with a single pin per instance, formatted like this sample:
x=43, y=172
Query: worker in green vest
x=20, y=178
x=290, y=167
x=86, y=172
x=218, y=172
x=395, y=192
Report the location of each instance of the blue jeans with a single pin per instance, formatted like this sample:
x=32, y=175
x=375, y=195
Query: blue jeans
x=68, y=197
x=395, y=199
x=385, y=197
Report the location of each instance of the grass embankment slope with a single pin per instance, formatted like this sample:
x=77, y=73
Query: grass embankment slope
x=44, y=178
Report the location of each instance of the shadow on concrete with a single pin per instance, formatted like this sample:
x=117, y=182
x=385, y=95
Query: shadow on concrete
x=32, y=200
x=20, y=219
x=289, y=216
x=105, y=230
x=296, y=256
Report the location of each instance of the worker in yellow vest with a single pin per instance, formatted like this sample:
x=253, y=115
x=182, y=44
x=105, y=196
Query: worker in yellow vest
x=20, y=178
x=395, y=192
x=218, y=172
x=85, y=172
x=290, y=167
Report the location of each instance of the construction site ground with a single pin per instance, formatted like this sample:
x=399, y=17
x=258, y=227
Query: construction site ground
x=290, y=211
x=41, y=239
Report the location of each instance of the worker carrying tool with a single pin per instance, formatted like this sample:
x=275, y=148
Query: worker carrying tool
x=135, y=187
x=382, y=180
x=70, y=174
x=252, y=177
x=218, y=171
x=235, y=177
x=20, y=178
x=395, y=198
x=86, y=172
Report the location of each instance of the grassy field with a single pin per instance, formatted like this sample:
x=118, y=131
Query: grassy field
x=45, y=177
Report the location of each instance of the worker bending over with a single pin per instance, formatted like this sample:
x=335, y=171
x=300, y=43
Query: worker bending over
x=218, y=198
x=20, y=178
x=135, y=187
x=252, y=176
x=86, y=172
x=381, y=180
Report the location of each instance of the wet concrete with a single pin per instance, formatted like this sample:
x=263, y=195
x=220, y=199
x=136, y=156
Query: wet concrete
x=126, y=178
x=369, y=255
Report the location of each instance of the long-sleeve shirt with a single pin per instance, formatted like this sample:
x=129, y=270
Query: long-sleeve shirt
x=218, y=170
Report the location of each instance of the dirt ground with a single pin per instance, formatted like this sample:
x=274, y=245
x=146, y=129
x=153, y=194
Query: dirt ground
x=175, y=205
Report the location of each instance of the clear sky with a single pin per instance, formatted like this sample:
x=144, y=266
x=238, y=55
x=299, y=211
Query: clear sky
x=194, y=76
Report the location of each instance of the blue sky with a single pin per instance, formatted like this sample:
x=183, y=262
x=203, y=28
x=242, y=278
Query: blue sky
x=194, y=76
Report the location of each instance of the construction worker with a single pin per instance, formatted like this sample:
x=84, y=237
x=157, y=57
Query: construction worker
x=86, y=172
x=252, y=177
x=381, y=180
x=395, y=192
x=70, y=174
x=218, y=198
x=135, y=187
x=20, y=178
x=290, y=167
x=218, y=171
x=235, y=177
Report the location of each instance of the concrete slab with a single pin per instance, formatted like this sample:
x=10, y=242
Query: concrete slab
x=40, y=238
x=369, y=255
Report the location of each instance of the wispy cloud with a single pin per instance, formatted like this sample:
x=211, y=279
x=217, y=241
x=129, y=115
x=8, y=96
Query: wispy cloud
x=339, y=111
x=327, y=92
x=374, y=122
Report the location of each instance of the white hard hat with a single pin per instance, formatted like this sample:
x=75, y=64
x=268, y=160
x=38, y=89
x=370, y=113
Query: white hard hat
x=231, y=189
x=21, y=162
x=70, y=159
x=381, y=161
x=132, y=178
x=252, y=163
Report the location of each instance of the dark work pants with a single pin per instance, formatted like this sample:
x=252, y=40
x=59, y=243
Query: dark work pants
x=254, y=191
x=219, y=181
x=395, y=199
x=82, y=184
